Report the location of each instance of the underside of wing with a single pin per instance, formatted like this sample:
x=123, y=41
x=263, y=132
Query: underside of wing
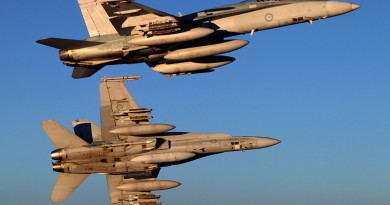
x=130, y=188
x=125, y=15
x=118, y=108
x=96, y=19
x=128, y=7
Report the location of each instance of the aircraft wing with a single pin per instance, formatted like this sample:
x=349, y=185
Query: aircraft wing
x=118, y=108
x=125, y=15
x=120, y=197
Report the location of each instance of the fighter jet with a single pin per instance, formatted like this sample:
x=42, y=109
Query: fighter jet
x=130, y=150
x=125, y=32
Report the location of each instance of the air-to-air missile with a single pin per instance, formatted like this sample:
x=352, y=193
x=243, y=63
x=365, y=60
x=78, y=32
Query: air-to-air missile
x=129, y=150
x=125, y=32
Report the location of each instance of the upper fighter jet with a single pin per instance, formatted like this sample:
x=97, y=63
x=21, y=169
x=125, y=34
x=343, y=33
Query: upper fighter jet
x=128, y=149
x=125, y=32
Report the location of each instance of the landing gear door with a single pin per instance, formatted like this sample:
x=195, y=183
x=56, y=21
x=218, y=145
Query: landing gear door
x=163, y=144
x=236, y=146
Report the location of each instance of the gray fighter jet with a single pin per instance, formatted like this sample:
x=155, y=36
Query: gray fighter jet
x=128, y=149
x=125, y=32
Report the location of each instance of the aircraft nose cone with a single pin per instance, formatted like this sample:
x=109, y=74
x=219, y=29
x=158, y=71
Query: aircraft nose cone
x=355, y=6
x=335, y=8
x=266, y=142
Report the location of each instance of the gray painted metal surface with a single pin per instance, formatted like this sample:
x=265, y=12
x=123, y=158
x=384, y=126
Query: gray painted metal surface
x=125, y=32
x=130, y=150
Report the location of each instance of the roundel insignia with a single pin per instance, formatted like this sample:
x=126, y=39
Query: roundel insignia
x=269, y=17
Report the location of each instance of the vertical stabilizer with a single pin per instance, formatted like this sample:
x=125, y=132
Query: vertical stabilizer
x=65, y=185
x=60, y=136
x=96, y=18
x=86, y=130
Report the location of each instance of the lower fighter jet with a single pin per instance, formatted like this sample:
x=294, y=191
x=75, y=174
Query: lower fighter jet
x=129, y=150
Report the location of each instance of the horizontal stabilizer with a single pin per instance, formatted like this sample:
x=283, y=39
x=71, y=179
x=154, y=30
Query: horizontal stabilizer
x=112, y=182
x=67, y=44
x=84, y=72
x=65, y=185
x=60, y=136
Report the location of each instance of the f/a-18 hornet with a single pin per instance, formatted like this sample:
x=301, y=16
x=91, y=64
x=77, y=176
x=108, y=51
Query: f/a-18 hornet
x=128, y=149
x=125, y=32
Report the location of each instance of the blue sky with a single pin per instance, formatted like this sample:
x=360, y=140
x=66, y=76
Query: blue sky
x=322, y=89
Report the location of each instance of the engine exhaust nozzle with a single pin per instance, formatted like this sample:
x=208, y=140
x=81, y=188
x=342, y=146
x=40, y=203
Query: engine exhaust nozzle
x=56, y=154
x=58, y=167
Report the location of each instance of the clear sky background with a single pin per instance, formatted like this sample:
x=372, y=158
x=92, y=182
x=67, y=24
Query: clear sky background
x=322, y=89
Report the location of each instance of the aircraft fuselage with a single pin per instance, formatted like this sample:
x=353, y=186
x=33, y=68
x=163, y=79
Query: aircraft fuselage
x=258, y=18
x=149, y=153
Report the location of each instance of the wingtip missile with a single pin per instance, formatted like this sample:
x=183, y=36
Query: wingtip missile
x=121, y=79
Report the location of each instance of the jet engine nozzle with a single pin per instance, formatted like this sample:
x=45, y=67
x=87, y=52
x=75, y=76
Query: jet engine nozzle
x=57, y=154
x=64, y=55
x=58, y=167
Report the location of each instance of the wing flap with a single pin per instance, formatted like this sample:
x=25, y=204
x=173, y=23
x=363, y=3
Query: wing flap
x=96, y=18
x=92, y=30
